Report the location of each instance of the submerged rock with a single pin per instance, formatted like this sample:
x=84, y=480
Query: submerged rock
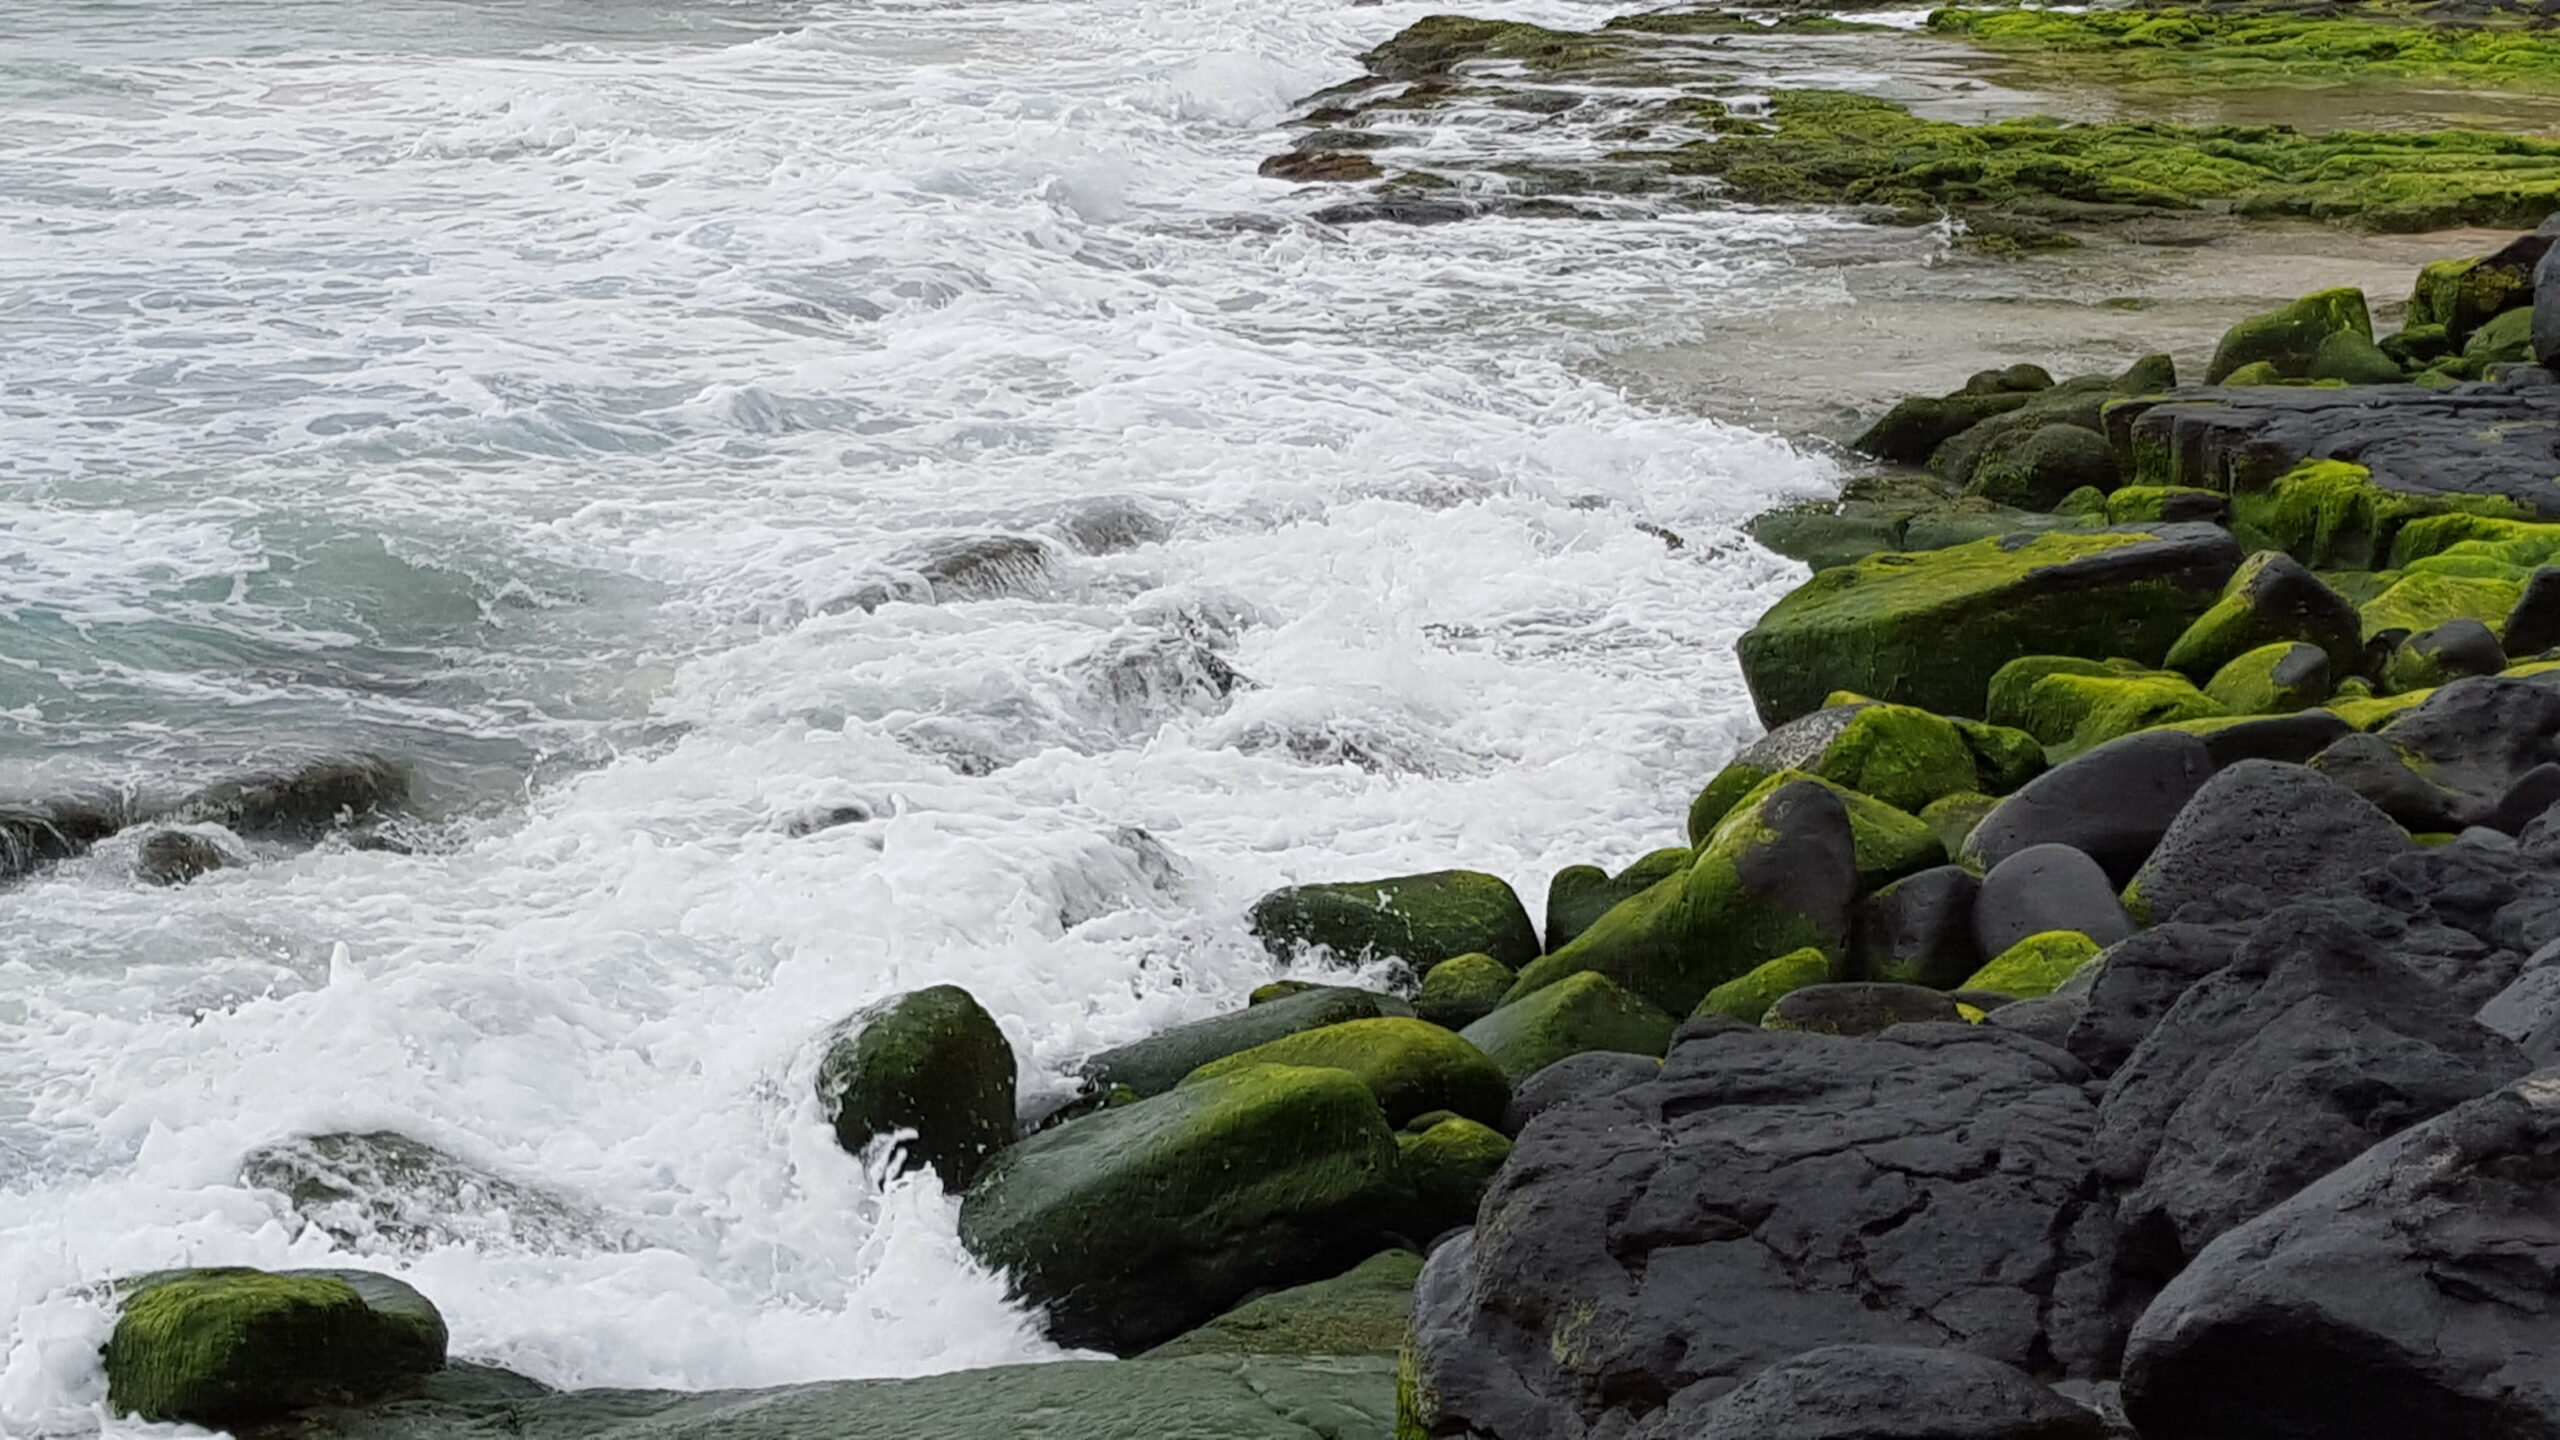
x=932, y=1062
x=382, y=1190
x=304, y=804
x=222, y=1346
x=174, y=857
x=1135, y=1224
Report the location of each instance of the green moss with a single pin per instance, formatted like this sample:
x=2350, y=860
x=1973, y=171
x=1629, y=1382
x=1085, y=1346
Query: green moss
x=1579, y=895
x=2353, y=359
x=2424, y=599
x=2367, y=712
x=1420, y=919
x=1437, y=44
x=2329, y=514
x=2088, y=502
x=1458, y=992
x=1913, y=429
x=930, y=1061
x=1159, y=1062
x=2004, y=758
x=2275, y=679
x=1412, y=1066
x=214, y=1347
x=2506, y=339
x=2256, y=372
x=2457, y=297
x=1953, y=817
x=2074, y=705
x=1585, y=1011
x=2036, y=965
x=2267, y=600
x=1747, y=997
x=2199, y=50
x=1902, y=756
x=1929, y=630
x=1449, y=1165
x=1279, y=990
x=2136, y=503
x=1363, y=1311
x=2289, y=338
x=2034, y=468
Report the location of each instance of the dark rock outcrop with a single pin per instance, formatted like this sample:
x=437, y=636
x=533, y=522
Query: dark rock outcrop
x=2284, y=829
x=2042, y=888
x=1891, y=1392
x=2113, y=803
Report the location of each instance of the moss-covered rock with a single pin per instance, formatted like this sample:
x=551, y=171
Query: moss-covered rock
x=2088, y=502
x=2004, y=757
x=1138, y=1223
x=2193, y=49
x=2449, y=652
x=1449, y=1164
x=2036, y=469
x=1580, y=894
x=2457, y=297
x=1264, y=994
x=2036, y=965
x=2425, y=598
x=2275, y=679
x=2418, y=346
x=2173, y=504
x=2256, y=372
x=1902, y=756
x=1748, y=996
x=1858, y=1008
x=1952, y=817
x=1412, y=1066
x=931, y=1061
x=1419, y=919
x=2353, y=359
x=2290, y=337
x=1159, y=1062
x=1458, y=992
x=1913, y=429
x=2074, y=705
x=2332, y=515
x=2506, y=339
x=1929, y=630
x=1583, y=1011
x=2270, y=598
x=1362, y=1311
x=222, y=1346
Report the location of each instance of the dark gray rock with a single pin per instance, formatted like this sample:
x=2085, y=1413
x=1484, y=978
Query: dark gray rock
x=2112, y=803
x=174, y=857
x=2546, y=310
x=1918, y=930
x=2528, y=1010
x=2458, y=647
x=2046, y=887
x=1890, y=1392
x=2313, y=1044
x=1577, y=1077
x=2533, y=626
x=305, y=803
x=2410, y=1293
x=34, y=834
x=1771, y=1193
x=1158, y=1063
x=2284, y=829
x=2048, y=1018
x=2136, y=982
x=2294, y=738
x=2479, y=751
x=1860, y=1008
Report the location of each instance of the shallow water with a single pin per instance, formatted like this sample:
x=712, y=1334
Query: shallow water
x=538, y=392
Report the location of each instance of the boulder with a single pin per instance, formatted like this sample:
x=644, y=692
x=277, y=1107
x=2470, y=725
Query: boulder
x=1419, y=919
x=1776, y=875
x=1458, y=992
x=2354, y=359
x=2287, y=339
x=2073, y=705
x=2033, y=469
x=223, y=1346
x=2285, y=829
x=2270, y=598
x=2004, y=757
x=1135, y=1224
x=1929, y=630
x=1580, y=894
x=1913, y=429
x=2294, y=738
x=1158, y=1063
x=1449, y=1164
x=174, y=857
x=1952, y=819
x=2313, y=1044
x=2042, y=888
x=2533, y=626
x=2505, y=340
x=2138, y=979
x=1657, y=1245
x=1362, y=1311
x=2036, y=966
x=2274, y=679
x=2112, y=804
x=1857, y=1008
x=302, y=804
x=2403, y=1294
x=2460, y=296
x=1916, y=931
x=1891, y=1392
x=1411, y=1066
x=1748, y=997
x=1575, y=1076
x=1893, y=753
x=2450, y=651
x=2481, y=751
x=931, y=1061
x=1584, y=1011
x=2174, y=503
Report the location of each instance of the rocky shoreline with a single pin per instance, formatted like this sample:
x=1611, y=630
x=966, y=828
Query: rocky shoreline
x=2111, y=1001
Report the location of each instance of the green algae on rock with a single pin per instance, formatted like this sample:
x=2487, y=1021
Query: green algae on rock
x=1747, y=997
x=2275, y=678
x=1135, y=1224
x=1362, y=1311
x=1582, y=1012
x=1458, y=992
x=2200, y=49
x=1159, y=1062
x=932, y=1062
x=2074, y=705
x=1411, y=1066
x=2289, y=337
x=2270, y=598
x=1449, y=1164
x=1580, y=894
x=1420, y=919
x=1931, y=629
x=1902, y=756
x=219, y=1346
x=2035, y=966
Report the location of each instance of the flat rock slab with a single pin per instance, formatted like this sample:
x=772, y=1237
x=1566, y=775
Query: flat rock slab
x=1194, y=1397
x=2498, y=438
x=1773, y=1192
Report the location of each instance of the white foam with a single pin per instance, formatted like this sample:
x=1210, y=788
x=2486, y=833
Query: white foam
x=663, y=341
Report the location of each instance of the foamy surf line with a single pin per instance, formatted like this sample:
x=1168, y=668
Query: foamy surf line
x=649, y=358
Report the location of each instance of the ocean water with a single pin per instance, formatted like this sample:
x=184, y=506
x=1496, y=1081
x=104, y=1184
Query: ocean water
x=828, y=497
